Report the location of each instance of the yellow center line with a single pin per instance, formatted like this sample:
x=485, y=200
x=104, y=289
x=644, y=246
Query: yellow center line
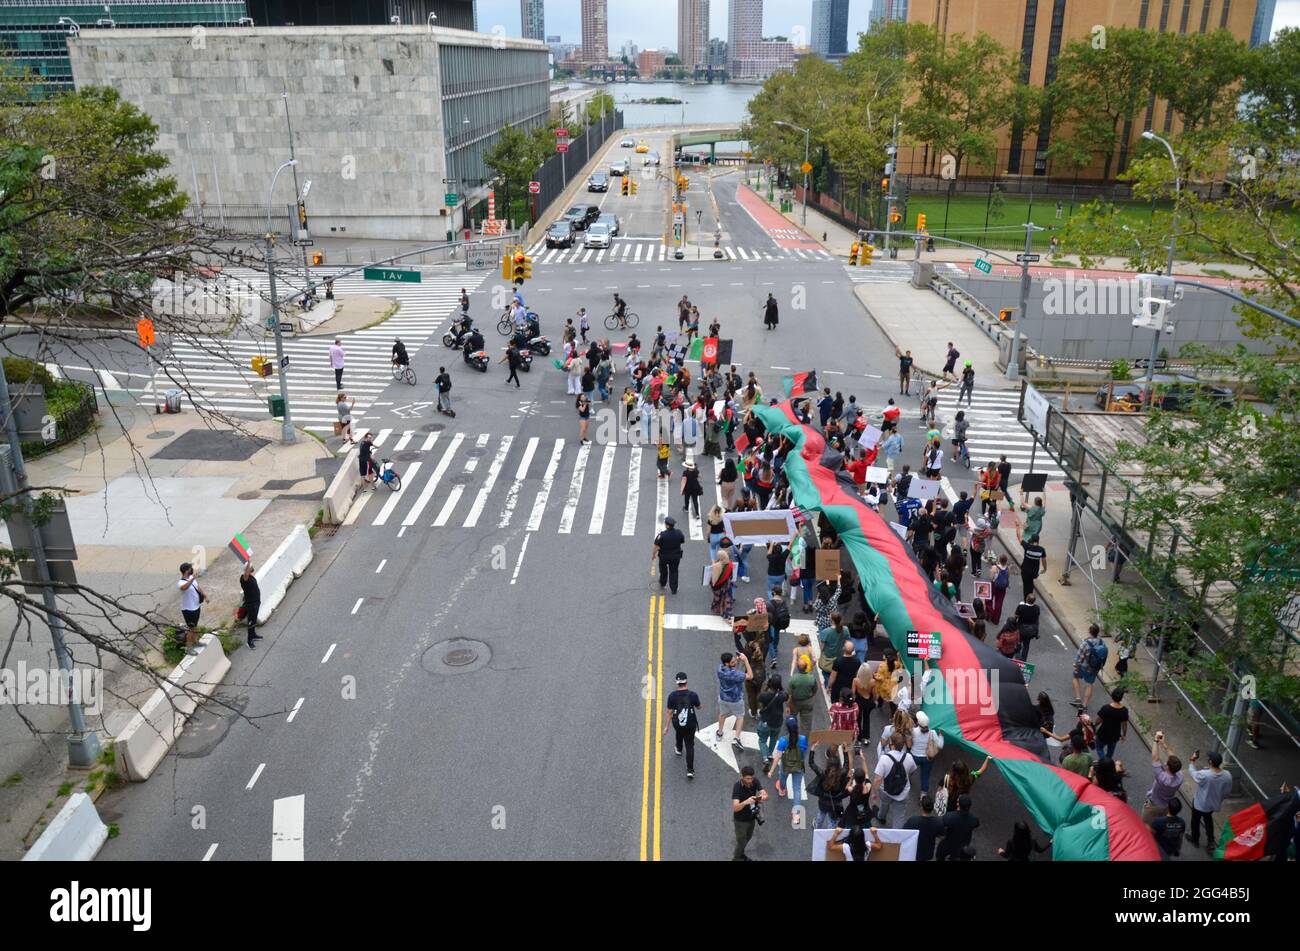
x=648, y=694
x=659, y=724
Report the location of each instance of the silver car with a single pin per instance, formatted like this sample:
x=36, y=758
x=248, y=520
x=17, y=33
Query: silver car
x=597, y=236
x=610, y=221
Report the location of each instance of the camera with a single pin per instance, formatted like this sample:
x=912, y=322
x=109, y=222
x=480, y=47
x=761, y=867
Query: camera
x=757, y=808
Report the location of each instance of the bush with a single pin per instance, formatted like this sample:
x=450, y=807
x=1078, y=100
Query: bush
x=22, y=370
x=1120, y=371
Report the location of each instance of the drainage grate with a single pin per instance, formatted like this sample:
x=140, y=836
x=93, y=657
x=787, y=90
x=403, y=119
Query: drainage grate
x=461, y=478
x=433, y=428
x=326, y=531
x=476, y=451
x=408, y=455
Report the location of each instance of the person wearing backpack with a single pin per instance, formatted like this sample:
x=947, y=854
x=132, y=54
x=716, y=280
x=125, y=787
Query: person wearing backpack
x=789, y=755
x=682, y=704
x=771, y=714
x=778, y=616
x=1001, y=582
x=1008, y=641
x=803, y=688
x=1026, y=614
x=1088, y=663
x=832, y=645
x=893, y=784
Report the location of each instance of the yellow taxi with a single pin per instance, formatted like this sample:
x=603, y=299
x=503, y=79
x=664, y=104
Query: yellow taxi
x=642, y=147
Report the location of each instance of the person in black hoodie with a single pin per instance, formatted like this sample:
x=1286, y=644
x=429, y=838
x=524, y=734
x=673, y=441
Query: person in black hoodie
x=1021, y=845
x=830, y=786
x=252, y=601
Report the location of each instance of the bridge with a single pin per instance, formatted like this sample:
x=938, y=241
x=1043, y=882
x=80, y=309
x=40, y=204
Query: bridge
x=710, y=136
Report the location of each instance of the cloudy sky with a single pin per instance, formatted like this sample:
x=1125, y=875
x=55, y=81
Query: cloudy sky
x=653, y=23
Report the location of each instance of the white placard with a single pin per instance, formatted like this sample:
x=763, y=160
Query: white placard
x=734, y=524
x=718, y=407
x=1036, y=409
x=870, y=435
x=906, y=839
x=923, y=489
x=877, y=474
x=900, y=528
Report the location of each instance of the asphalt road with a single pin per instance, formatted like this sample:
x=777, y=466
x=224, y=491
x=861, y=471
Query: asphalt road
x=452, y=684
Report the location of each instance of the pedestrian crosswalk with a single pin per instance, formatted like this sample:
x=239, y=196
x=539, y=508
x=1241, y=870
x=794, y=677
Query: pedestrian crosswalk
x=653, y=250
x=893, y=272
x=994, y=430
x=216, y=372
x=542, y=484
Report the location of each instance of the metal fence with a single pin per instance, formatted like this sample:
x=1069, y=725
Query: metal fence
x=557, y=171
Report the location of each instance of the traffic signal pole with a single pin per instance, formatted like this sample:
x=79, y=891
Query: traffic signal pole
x=287, y=434
x=1013, y=365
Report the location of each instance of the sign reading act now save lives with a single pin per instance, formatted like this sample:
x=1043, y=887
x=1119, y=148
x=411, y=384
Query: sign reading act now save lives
x=403, y=275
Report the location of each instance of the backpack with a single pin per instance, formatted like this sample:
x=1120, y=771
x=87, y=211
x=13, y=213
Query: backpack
x=1097, y=654
x=780, y=615
x=896, y=778
x=1008, y=641
x=792, y=758
x=1002, y=579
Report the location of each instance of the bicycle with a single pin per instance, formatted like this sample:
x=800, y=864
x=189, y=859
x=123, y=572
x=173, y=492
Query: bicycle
x=963, y=453
x=404, y=373
x=389, y=476
x=505, y=326
x=629, y=321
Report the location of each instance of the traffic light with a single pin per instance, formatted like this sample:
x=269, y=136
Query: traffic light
x=144, y=330
x=505, y=266
x=867, y=251
x=1004, y=314
x=894, y=216
x=528, y=267
x=853, y=253
x=262, y=366
x=302, y=215
x=920, y=222
x=521, y=269
x=317, y=258
x=884, y=185
x=633, y=186
x=626, y=185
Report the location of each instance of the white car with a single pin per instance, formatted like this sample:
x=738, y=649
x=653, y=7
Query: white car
x=651, y=159
x=597, y=236
x=627, y=143
x=610, y=221
x=619, y=168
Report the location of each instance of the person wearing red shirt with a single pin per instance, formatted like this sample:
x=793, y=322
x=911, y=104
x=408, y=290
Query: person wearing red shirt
x=858, y=469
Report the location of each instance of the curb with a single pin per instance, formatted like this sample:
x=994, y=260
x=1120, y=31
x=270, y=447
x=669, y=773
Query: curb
x=916, y=367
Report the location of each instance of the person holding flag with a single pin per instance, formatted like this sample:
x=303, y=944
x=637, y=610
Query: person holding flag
x=1262, y=830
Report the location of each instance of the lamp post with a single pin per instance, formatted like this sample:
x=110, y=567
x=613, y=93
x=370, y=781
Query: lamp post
x=807, y=138
x=287, y=435
x=1173, y=238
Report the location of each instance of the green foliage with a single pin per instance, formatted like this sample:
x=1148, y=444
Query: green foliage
x=1120, y=370
x=21, y=370
x=13, y=780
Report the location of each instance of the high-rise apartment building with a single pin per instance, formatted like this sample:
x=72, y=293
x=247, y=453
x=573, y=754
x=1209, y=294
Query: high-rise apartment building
x=595, y=32
x=1038, y=29
x=887, y=11
x=532, y=19
x=830, y=27
x=717, y=53
x=744, y=34
x=693, y=33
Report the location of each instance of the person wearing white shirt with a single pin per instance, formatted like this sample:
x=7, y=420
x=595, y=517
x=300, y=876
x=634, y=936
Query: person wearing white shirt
x=192, y=597
x=892, y=807
x=922, y=739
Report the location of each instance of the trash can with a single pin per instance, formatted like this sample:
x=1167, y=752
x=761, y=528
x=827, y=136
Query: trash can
x=173, y=398
x=276, y=405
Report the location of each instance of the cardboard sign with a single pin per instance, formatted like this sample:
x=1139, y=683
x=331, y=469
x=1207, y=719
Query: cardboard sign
x=759, y=528
x=756, y=625
x=870, y=436
x=1033, y=482
x=984, y=590
x=877, y=474
x=832, y=738
x=896, y=845
x=928, y=646
x=965, y=609
x=924, y=489
x=1026, y=669
x=828, y=564
x=707, y=580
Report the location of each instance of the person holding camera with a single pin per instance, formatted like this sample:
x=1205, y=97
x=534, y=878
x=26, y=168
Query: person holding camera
x=747, y=798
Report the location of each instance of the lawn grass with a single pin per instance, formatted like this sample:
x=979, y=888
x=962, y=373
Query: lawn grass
x=966, y=217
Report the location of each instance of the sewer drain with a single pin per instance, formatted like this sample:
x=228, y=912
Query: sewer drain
x=433, y=428
x=161, y=434
x=408, y=455
x=248, y=496
x=456, y=656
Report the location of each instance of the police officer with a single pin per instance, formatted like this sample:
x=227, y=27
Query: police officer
x=668, y=551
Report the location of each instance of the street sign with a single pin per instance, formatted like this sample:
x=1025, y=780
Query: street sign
x=1142, y=363
x=270, y=323
x=286, y=328
x=1030, y=258
x=534, y=188
x=561, y=146
x=806, y=167
x=284, y=363
x=985, y=266
x=303, y=242
x=561, y=133
x=451, y=198
x=400, y=275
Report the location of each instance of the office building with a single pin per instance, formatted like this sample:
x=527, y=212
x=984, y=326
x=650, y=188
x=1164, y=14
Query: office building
x=650, y=62
x=717, y=53
x=830, y=28
x=693, y=33
x=532, y=19
x=595, y=32
x=887, y=11
x=387, y=120
x=1262, y=28
x=451, y=14
x=1037, y=30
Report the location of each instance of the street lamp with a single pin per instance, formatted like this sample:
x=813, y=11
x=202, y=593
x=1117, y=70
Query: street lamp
x=287, y=435
x=1173, y=238
x=807, y=133
x=71, y=24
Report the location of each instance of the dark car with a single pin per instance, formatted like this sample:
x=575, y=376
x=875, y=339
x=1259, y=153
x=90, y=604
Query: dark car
x=582, y=215
x=1174, y=392
x=598, y=182
x=560, y=234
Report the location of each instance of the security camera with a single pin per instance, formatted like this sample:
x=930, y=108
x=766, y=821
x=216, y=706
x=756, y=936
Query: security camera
x=1169, y=329
x=395, y=20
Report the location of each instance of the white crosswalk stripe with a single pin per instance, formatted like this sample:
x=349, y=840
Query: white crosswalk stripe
x=995, y=431
x=889, y=272
x=602, y=487
x=653, y=250
x=217, y=372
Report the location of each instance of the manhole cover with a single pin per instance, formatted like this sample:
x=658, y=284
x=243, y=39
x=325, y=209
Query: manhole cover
x=461, y=478
x=456, y=656
x=161, y=434
x=433, y=428
x=248, y=496
x=408, y=455
x=476, y=451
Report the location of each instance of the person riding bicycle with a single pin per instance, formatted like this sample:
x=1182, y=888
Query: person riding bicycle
x=474, y=342
x=620, y=310
x=400, y=359
x=518, y=297
x=959, y=427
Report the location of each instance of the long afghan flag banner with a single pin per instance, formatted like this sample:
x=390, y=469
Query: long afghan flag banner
x=979, y=698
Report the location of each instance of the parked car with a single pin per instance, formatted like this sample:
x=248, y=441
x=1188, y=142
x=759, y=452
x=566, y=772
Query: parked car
x=627, y=142
x=582, y=215
x=597, y=236
x=652, y=159
x=642, y=147
x=1174, y=392
x=598, y=182
x=618, y=168
x=610, y=221
x=560, y=234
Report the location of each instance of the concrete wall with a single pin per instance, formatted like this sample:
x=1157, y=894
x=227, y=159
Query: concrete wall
x=365, y=104
x=1201, y=317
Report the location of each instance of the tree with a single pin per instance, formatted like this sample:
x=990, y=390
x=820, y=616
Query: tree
x=1198, y=75
x=1223, y=482
x=515, y=156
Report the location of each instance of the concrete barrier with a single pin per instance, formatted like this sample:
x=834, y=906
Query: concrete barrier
x=342, y=491
x=141, y=746
x=313, y=318
x=75, y=835
x=289, y=561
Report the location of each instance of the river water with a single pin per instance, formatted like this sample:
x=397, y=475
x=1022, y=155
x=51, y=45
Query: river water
x=703, y=102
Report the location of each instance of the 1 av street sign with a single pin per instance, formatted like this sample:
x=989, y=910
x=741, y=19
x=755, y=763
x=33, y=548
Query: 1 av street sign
x=1030, y=258
x=401, y=275
x=985, y=266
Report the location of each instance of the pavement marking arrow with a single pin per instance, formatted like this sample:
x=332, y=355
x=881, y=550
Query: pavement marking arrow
x=409, y=411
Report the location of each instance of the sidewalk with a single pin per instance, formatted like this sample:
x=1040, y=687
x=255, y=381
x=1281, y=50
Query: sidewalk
x=151, y=492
